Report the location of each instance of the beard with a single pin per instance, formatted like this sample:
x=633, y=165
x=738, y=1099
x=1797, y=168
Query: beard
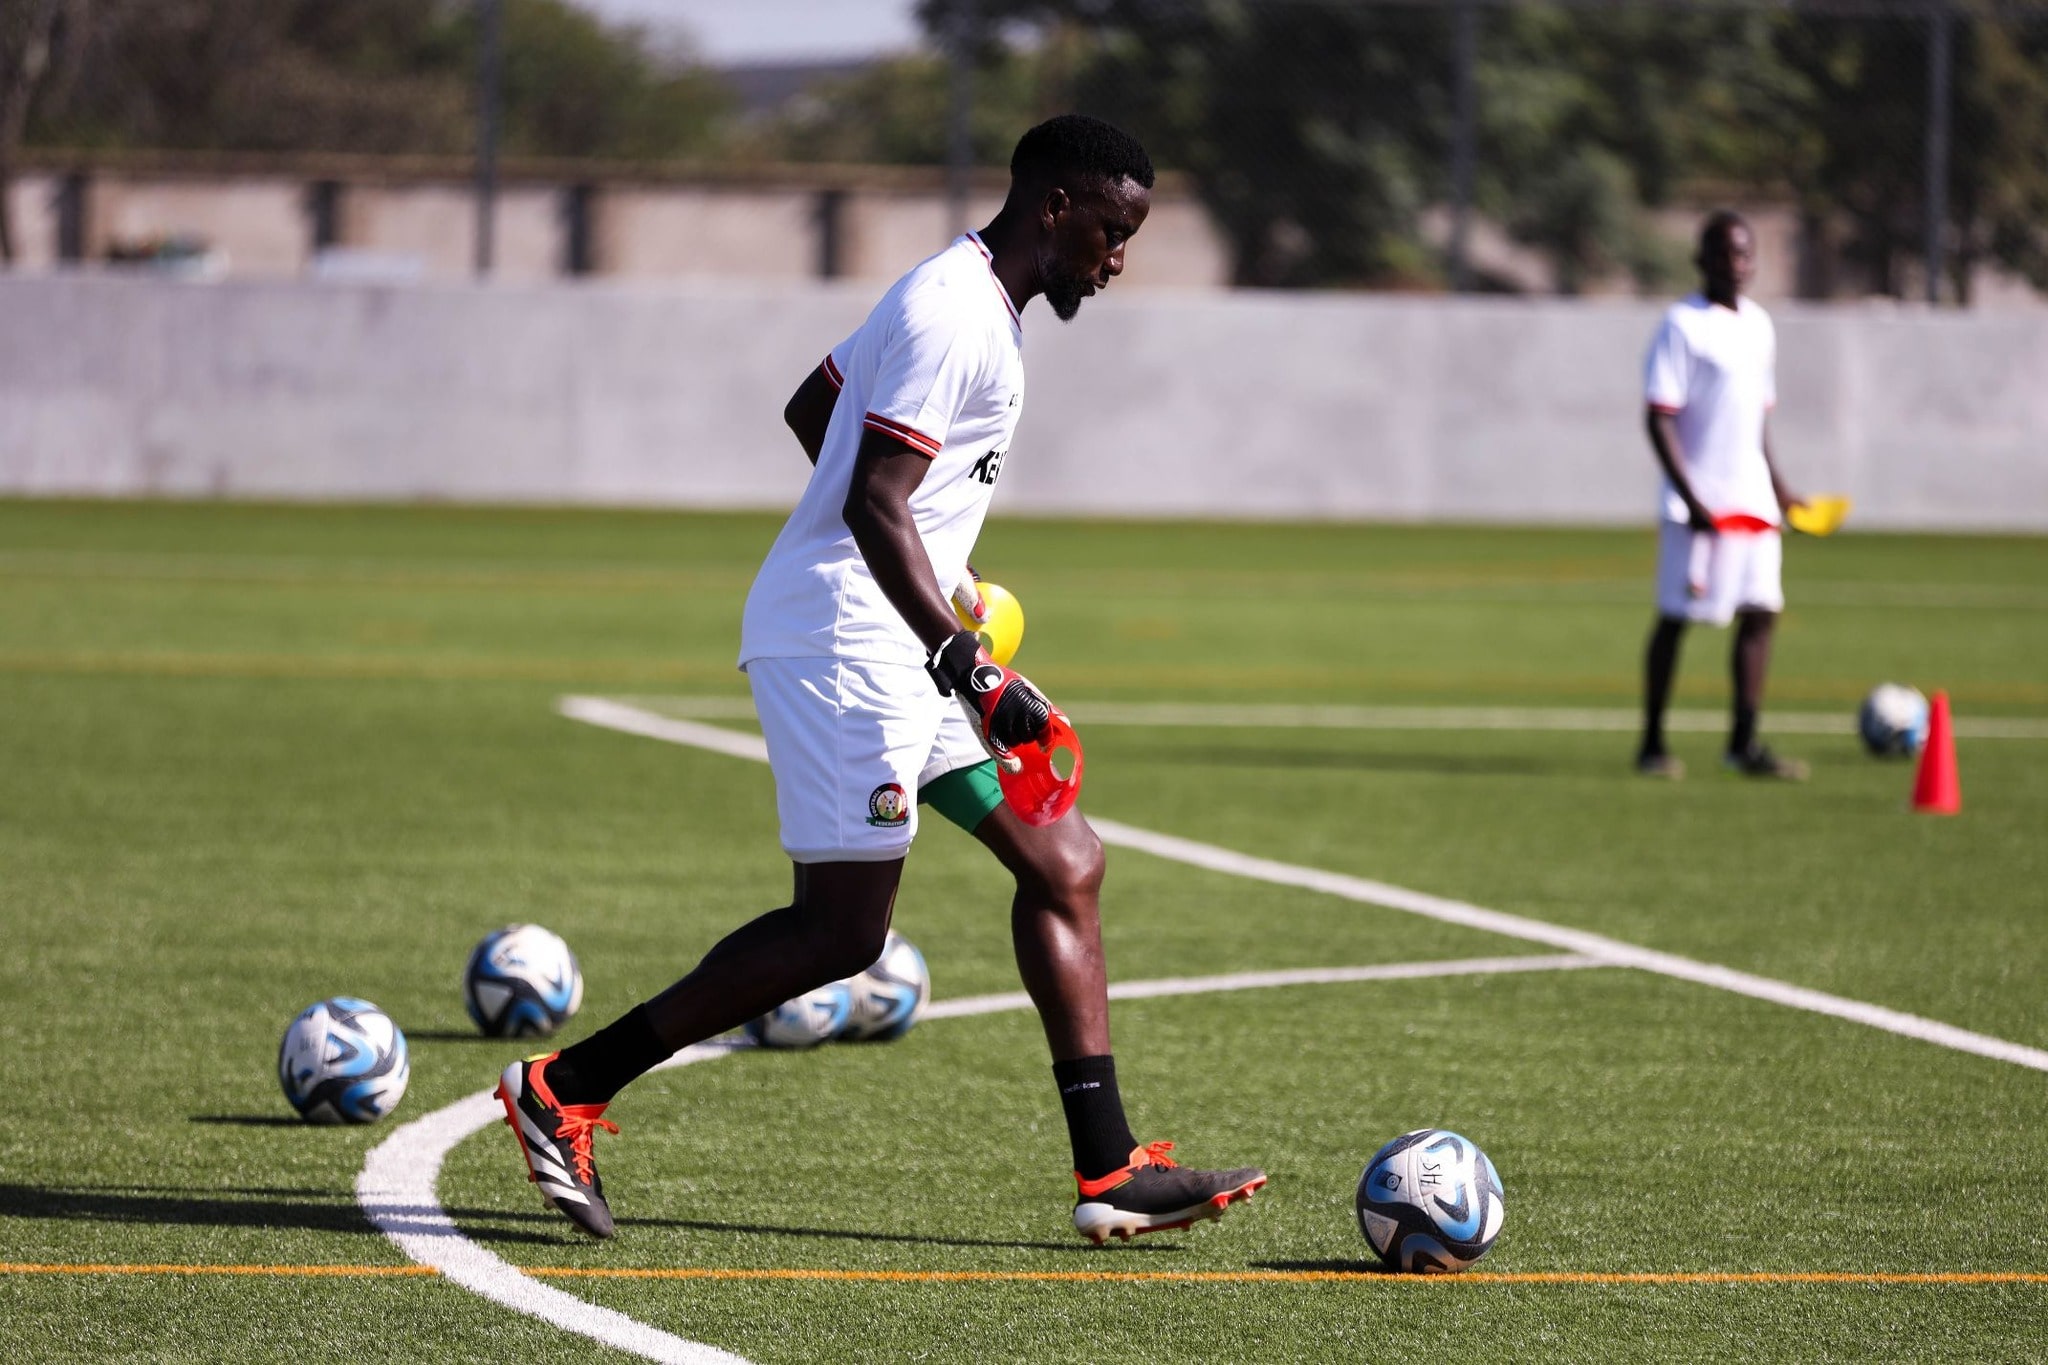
x=1065, y=296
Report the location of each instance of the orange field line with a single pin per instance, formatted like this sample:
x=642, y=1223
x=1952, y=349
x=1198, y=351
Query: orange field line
x=1566, y=1277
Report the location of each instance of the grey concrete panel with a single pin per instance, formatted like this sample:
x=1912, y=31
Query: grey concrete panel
x=1154, y=403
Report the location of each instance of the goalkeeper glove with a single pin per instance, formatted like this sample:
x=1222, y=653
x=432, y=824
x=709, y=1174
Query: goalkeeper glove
x=1006, y=709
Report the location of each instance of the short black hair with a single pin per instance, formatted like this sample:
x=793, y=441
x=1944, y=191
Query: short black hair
x=1077, y=145
x=1718, y=225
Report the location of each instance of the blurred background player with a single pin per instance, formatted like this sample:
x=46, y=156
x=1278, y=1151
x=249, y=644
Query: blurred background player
x=859, y=669
x=1710, y=382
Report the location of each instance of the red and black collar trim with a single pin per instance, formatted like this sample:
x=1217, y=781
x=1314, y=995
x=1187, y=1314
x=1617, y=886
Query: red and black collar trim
x=1001, y=292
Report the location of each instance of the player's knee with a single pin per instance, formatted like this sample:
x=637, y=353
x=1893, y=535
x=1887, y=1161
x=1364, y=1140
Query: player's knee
x=856, y=945
x=838, y=940
x=1071, y=870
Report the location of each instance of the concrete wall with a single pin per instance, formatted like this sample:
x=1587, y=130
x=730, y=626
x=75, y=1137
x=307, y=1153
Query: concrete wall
x=767, y=228
x=1151, y=404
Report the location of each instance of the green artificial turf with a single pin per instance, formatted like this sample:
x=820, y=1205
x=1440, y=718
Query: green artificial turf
x=252, y=756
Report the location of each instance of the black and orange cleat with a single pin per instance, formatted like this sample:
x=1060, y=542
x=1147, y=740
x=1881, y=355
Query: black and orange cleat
x=555, y=1140
x=1153, y=1194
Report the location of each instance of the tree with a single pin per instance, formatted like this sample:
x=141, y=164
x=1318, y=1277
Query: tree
x=1999, y=198
x=36, y=36
x=899, y=112
x=375, y=76
x=1591, y=116
x=1860, y=168
x=1314, y=132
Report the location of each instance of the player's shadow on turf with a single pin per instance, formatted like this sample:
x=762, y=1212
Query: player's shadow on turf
x=1425, y=764
x=251, y=1120
x=866, y=1235
x=316, y=1210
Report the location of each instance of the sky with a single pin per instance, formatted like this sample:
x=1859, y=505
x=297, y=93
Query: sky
x=751, y=32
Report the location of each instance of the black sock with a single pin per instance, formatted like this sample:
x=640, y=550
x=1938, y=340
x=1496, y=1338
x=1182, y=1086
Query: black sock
x=1742, y=738
x=600, y=1066
x=1660, y=666
x=1095, y=1115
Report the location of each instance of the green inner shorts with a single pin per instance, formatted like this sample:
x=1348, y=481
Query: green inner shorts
x=965, y=796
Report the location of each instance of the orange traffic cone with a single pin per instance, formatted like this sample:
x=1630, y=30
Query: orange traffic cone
x=1936, y=790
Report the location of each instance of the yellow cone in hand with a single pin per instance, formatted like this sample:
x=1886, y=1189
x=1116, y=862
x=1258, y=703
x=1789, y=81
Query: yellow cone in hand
x=1003, y=629
x=1819, y=516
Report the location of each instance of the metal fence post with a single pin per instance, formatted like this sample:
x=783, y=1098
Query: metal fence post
x=1464, y=141
x=489, y=79
x=1940, y=58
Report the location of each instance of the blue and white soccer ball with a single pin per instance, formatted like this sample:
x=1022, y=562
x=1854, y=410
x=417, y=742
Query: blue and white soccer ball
x=1430, y=1202
x=521, y=982
x=812, y=1018
x=889, y=996
x=1893, y=721
x=343, y=1061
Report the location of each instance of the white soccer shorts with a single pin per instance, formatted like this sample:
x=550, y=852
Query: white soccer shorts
x=850, y=742
x=1708, y=578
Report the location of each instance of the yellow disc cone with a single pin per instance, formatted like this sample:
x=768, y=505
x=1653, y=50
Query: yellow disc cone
x=1003, y=631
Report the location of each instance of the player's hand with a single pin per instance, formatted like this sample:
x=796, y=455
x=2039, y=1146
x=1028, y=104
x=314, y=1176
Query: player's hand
x=967, y=596
x=1697, y=516
x=1007, y=708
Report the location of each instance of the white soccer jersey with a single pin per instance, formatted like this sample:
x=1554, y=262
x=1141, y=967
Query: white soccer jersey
x=1715, y=369
x=939, y=365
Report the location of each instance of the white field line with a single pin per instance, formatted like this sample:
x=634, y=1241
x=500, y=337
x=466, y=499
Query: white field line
x=397, y=1187
x=1301, y=976
x=1604, y=720
x=632, y=720
x=1608, y=950
x=1625, y=720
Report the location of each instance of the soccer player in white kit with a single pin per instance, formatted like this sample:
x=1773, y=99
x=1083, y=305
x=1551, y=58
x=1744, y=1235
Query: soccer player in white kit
x=874, y=702
x=1710, y=383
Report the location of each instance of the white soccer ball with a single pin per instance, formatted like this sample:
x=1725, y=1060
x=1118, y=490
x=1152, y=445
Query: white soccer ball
x=343, y=1061
x=812, y=1018
x=889, y=996
x=521, y=982
x=1893, y=721
x=1430, y=1202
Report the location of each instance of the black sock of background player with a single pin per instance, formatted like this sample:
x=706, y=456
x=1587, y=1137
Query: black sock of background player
x=1095, y=1115
x=1660, y=664
x=1742, y=737
x=600, y=1066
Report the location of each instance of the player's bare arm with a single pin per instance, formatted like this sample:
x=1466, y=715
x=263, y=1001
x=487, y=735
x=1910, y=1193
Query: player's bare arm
x=1663, y=429
x=877, y=510
x=809, y=411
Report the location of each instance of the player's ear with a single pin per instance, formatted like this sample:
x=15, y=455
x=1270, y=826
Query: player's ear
x=1056, y=203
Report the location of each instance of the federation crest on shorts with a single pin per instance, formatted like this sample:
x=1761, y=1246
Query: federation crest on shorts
x=888, y=806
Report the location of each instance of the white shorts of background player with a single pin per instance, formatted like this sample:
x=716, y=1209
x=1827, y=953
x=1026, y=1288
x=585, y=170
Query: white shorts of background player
x=1708, y=578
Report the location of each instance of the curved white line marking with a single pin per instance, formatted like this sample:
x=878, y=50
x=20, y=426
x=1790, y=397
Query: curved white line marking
x=397, y=1185
x=396, y=1188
